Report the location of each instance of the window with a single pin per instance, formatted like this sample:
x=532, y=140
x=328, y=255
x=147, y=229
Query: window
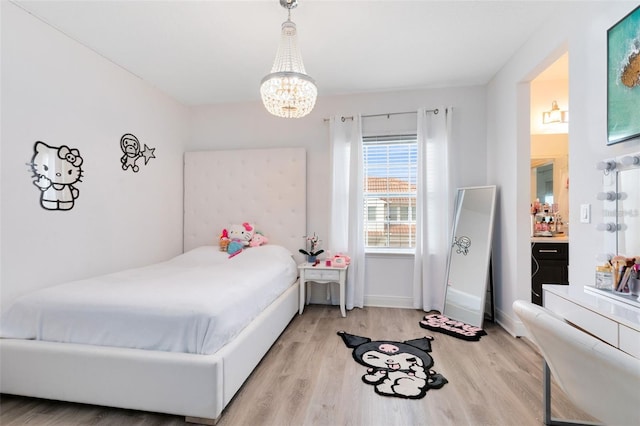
x=390, y=165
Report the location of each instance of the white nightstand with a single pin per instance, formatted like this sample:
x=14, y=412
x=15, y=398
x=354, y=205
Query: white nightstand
x=324, y=275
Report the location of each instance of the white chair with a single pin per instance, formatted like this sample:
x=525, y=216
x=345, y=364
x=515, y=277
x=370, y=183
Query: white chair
x=598, y=378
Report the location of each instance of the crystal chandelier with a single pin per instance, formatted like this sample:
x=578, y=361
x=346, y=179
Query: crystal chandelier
x=288, y=91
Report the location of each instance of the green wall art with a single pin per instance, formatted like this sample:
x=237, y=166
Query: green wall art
x=623, y=79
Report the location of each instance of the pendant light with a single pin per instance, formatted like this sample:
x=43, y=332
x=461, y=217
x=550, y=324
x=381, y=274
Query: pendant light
x=288, y=91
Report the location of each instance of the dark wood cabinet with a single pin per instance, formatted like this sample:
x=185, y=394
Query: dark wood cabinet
x=549, y=265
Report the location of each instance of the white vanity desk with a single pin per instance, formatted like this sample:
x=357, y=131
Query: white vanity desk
x=614, y=321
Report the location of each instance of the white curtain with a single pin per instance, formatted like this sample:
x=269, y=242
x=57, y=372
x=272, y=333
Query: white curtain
x=434, y=208
x=346, y=203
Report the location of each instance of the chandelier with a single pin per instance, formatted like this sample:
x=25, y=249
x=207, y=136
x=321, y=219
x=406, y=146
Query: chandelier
x=288, y=91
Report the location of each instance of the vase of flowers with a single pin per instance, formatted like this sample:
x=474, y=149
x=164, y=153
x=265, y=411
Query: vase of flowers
x=312, y=248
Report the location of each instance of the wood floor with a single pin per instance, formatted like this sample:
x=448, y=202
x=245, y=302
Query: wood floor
x=309, y=378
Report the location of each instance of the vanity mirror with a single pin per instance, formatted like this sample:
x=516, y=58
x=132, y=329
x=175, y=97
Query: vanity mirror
x=468, y=260
x=628, y=212
x=542, y=180
x=621, y=228
x=550, y=175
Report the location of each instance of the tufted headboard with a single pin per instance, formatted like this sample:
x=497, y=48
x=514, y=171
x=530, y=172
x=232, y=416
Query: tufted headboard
x=262, y=186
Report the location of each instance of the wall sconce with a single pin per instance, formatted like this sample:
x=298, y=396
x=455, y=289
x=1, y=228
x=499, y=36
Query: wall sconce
x=555, y=115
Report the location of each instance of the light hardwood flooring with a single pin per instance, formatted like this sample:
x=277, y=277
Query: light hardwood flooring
x=309, y=378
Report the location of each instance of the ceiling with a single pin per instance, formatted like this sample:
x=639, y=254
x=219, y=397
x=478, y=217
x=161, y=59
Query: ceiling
x=207, y=52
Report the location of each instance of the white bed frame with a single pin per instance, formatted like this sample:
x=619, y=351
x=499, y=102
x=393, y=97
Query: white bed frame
x=264, y=186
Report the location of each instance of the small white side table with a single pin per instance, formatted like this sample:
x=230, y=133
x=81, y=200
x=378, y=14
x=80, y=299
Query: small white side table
x=324, y=275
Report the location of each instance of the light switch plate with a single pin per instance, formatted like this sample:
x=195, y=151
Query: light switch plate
x=585, y=213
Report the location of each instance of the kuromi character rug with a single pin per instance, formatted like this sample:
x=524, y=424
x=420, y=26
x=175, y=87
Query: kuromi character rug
x=400, y=369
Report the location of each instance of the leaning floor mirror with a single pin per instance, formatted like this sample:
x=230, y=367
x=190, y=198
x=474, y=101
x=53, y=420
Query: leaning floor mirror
x=470, y=254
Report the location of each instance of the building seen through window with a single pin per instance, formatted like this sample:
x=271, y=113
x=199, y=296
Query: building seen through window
x=390, y=166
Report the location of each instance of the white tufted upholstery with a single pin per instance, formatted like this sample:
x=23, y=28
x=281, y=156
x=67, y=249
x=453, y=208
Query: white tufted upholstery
x=266, y=187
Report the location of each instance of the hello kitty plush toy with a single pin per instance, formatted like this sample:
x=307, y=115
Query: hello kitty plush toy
x=242, y=233
x=239, y=238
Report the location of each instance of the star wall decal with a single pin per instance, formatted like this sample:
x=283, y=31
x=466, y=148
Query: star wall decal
x=148, y=153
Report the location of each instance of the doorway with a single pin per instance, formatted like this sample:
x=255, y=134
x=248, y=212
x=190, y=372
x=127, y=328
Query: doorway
x=549, y=165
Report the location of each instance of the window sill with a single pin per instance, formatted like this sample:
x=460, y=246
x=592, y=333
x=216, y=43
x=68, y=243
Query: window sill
x=375, y=252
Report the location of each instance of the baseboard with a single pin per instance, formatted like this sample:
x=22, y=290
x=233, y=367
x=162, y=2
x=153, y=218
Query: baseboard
x=511, y=324
x=389, y=302
x=320, y=298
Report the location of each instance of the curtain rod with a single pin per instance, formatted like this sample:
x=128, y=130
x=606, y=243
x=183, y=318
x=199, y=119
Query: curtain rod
x=388, y=114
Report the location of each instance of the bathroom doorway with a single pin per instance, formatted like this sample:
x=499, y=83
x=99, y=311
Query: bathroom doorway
x=549, y=171
x=550, y=142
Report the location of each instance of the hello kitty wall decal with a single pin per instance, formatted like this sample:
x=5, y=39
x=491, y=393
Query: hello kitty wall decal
x=130, y=147
x=56, y=171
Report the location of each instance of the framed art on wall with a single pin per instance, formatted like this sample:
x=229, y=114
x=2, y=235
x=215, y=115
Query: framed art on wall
x=623, y=79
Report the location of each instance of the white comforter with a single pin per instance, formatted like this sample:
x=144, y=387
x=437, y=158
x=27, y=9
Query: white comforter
x=194, y=303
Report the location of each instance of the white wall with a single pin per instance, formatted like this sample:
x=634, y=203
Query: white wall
x=543, y=93
x=248, y=125
x=57, y=91
x=582, y=30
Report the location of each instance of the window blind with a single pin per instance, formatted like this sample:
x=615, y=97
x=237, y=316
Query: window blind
x=390, y=167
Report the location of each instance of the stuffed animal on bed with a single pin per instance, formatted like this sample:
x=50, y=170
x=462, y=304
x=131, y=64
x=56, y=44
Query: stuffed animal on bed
x=258, y=240
x=223, y=241
x=238, y=237
x=235, y=247
x=243, y=233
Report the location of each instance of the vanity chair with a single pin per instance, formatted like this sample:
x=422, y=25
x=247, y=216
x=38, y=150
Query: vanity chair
x=599, y=379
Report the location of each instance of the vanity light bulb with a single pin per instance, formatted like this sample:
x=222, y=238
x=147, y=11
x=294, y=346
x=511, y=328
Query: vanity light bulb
x=609, y=196
x=606, y=165
x=609, y=227
x=630, y=160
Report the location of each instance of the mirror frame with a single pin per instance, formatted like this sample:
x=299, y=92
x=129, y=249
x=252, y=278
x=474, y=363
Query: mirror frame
x=536, y=170
x=626, y=209
x=484, y=273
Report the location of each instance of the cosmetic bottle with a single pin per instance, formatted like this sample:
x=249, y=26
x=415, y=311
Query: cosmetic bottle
x=545, y=226
x=604, y=277
x=532, y=225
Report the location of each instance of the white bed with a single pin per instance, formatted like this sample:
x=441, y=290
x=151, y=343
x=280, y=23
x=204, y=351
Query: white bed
x=266, y=187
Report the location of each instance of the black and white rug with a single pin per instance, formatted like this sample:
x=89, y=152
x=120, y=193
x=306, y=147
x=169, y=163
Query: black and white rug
x=400, y=369
x=455, y=328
